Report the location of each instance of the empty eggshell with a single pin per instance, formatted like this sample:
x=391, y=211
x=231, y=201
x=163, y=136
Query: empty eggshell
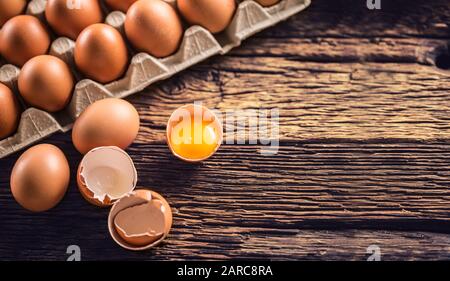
x=22, y=38
x=69, y=18
x=107, y=122
x=9, y=112
x=46, y=82
x=153, y=26
x=120, y=5
x=140, y=220
x=11, y=8
x=267, y=3
x=105, y=175
x=211, y=14
x=101, y=53
x=40, y=178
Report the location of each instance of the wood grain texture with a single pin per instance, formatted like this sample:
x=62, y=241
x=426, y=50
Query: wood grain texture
x=351, y=18
x=363, y=159
x=242, y=204
x=357, y=101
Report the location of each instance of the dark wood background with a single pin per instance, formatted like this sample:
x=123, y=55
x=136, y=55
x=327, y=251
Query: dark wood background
x=364, y=100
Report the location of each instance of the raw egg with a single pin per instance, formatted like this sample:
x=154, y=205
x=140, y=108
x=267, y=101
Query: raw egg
x=153, y=26
x=46, y=82
x=11, y=8
x=101, y=53
x=107, y=122
x=69, y=18
x=267, y=3
x=211, y=14
x=120, y=5
x=140, y=220
x=40, y=178
x=9, y=113
x=105, y=175
x=194, y=133
x=22, y=38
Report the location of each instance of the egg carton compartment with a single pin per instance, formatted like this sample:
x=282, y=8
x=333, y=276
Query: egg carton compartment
x=197, y=45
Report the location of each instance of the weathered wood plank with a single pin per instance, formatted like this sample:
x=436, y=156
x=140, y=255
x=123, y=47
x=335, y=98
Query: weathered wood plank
x=298, y=203
x=346, y=50
x=236, y=243
x=356, y=101
x=351, y=18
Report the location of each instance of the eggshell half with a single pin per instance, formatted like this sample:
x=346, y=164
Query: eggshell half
x=106, y=174
x=142, y=224
x=137, y=198
x=189, y=111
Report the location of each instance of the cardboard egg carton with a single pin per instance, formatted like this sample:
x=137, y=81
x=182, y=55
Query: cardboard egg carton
x=197, y=45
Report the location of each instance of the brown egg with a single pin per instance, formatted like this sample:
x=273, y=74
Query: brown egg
x=107, y=122
x=120, y=5
x=46, y=82
x=11, y=8
x=140, y=220
x=40, y=178
x=153, y=26
x=211, y=14
x=22, y=38
x=101, y=53
x=267, y=3
x=69, y=18
x=9, y=112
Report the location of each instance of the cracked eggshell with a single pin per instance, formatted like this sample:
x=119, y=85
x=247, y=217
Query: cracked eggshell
x=147, y=225
x=140, y=203
x=105, y=175
x=101, y=53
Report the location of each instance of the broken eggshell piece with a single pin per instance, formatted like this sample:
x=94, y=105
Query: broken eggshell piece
x=147, y=225
x=105, y=175
x=140, y=220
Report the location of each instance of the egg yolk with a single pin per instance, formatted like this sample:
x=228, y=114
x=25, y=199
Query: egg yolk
x=194, y=140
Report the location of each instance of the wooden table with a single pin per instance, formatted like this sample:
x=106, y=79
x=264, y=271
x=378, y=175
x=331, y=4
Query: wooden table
x=364, y=157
